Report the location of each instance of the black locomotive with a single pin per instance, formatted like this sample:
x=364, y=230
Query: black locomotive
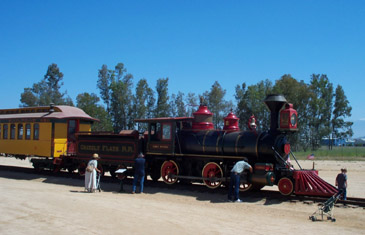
x=189, y=149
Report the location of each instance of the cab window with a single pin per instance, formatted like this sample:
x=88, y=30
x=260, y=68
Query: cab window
x=166, y=131
x=36, y=131
x=20, y=131
x=27, y=131
x=155, y=131
x=12, y=131
x=5, y=131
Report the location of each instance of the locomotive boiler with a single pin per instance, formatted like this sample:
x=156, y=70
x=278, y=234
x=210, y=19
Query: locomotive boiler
x=256, y=147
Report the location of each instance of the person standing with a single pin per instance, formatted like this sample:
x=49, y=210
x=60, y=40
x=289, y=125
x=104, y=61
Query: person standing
x=90, y=173
x=234, y=183
x=341, y=183
x=139, y=173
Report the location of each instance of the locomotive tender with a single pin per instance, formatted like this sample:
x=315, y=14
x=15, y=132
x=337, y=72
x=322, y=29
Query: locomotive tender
x=186, y=149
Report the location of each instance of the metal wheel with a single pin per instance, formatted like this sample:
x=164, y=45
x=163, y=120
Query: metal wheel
x=286, y=186
x=169, y=168
x=244, y=187
x=214, y=172
x=81, y=169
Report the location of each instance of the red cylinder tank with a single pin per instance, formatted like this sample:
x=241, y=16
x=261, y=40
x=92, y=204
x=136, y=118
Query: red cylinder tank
x=231, y=122
x=203, y=119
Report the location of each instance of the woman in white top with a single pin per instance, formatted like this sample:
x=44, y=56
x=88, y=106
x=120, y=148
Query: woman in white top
x=90, y=173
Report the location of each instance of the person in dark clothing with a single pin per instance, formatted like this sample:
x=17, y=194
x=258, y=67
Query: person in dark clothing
x=139, y=173
x=234, y=183
x=341, y=183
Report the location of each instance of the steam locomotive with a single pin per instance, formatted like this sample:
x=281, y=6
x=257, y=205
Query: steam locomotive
x=189, y=149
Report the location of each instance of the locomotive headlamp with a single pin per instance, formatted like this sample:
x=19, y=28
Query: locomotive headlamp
x=288, y=119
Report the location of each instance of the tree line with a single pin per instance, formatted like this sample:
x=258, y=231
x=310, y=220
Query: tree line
x=322, y=110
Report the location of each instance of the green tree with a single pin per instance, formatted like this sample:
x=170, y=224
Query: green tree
x=251, y=102
x=89, y=103
x=143, y=102
x=192, y=104
x=162, y=107
x=28, y=98
x=103, y=83
x=121, y=99
x=243, y=112
x=342, y=110
x=46, y=91
x=54, y=82
x=320, y=109
x=177, y=105
x=142, y=97
x=180, y=104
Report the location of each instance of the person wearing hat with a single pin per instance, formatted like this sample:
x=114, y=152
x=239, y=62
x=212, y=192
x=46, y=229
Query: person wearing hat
x=90, y=173
x=341, y=183
x=139, y=172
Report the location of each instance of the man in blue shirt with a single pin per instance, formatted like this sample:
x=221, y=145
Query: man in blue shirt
x=234, y=183
x=341, y=182
x=139, y=172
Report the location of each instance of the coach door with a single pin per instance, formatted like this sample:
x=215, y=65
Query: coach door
x=72, y=128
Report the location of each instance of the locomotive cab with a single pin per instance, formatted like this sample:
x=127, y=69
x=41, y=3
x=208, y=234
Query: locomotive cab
x=161, y=134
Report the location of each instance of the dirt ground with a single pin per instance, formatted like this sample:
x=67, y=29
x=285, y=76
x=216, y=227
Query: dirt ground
x=40, y=204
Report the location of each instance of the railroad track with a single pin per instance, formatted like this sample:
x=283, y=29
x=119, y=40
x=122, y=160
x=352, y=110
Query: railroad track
x=351, y=202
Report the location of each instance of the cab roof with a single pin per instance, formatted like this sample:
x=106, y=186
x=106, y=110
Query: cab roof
x=164, y=119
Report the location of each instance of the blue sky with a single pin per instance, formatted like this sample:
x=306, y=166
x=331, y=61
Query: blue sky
x=193, y=43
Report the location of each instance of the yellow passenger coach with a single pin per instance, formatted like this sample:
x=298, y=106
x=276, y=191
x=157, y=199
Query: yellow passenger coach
x=44, y=132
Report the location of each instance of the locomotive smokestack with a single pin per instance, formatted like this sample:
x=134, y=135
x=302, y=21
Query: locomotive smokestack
x=274, y=102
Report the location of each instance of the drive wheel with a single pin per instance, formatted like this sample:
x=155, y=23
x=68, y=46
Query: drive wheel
x=169, y=168
x=214, y=172
x=244, y=187
x=285, y=186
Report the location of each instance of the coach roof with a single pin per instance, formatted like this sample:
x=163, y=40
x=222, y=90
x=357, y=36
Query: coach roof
x=47, y=112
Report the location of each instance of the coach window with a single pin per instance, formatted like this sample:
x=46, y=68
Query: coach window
x=36, y=131
x=27, y=131
x=12, y=131
x=166, y=131
x=20, y=131
x=5, y=131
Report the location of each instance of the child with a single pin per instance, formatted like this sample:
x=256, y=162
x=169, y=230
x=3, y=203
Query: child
x=341, y=182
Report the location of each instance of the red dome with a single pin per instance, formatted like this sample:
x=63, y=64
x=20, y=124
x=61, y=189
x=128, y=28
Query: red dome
x=231, y=122
x=203, y=119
